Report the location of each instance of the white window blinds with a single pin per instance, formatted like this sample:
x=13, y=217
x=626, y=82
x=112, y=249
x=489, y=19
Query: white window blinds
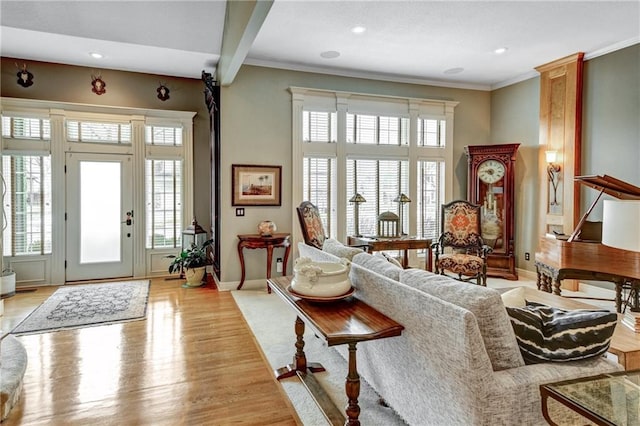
x=379, y=182
x=27, y=204
x=26, y=128
x=319, y=126
x=430, y=197
x=318, y=188
x=167, y=136
x=163, y=184
x=98, y=132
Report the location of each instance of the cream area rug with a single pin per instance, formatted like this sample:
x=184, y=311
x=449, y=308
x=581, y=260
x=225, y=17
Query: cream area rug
x=76, y=306
x=272, y=323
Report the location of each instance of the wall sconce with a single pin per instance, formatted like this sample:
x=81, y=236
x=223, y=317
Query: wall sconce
x=356, y=200
x=553, y=170
x=402, y=200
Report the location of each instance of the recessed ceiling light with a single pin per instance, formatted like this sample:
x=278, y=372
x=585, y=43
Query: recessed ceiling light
x=500, y=50
x=457, y=70
x=330, y=54
x=358, y=30
x=96, y=55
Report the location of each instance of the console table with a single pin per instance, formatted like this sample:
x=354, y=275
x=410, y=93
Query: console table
x=346, y=321
x=257, y=241
x=398, y=243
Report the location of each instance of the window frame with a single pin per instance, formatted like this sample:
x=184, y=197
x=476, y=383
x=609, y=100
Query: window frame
x=51, y=268
x=305, y=99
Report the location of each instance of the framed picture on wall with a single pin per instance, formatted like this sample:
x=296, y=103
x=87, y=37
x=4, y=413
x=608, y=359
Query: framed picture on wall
x=256, y=185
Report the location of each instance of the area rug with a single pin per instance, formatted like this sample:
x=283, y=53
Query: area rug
x=272, y=323
x=76, y=306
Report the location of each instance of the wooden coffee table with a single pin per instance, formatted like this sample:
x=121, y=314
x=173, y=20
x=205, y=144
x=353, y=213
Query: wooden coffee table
x=347, y=321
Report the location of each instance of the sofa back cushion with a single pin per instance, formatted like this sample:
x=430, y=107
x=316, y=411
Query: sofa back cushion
x=336, y=248
x=485, y=304
x=378, y=264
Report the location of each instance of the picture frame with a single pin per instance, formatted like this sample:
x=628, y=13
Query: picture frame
x=256, y=185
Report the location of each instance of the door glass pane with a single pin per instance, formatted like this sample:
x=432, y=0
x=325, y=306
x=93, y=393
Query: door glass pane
x=100, y=212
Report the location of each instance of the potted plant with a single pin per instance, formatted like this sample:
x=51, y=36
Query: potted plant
x=192, y=261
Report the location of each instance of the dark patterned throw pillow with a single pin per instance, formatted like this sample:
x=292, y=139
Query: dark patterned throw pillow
x=547, y=334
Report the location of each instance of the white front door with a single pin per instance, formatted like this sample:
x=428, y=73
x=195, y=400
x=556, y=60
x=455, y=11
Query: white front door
x=99, y=217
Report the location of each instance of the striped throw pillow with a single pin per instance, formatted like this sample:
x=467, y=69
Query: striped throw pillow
x=547, y=334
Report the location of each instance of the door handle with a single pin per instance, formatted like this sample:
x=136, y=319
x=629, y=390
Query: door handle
x=129, y=219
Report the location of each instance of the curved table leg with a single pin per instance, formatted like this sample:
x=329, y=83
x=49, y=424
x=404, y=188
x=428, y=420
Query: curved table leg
x=241, y=256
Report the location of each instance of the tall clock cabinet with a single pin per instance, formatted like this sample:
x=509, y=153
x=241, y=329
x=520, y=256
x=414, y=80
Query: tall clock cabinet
x=490, y=184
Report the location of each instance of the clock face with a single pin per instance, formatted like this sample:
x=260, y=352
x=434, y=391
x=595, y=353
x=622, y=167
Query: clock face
x=491, y=171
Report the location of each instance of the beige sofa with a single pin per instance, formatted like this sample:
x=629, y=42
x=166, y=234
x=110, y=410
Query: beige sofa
x=457, y=361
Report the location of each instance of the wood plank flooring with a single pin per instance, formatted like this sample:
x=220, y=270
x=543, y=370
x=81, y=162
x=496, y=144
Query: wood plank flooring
x=193, y=361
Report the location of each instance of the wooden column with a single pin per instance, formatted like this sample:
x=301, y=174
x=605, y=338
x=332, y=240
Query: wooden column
x=560, y=131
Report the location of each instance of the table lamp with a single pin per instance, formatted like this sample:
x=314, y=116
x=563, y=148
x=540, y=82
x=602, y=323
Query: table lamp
x=402, y=200
x=356, y=200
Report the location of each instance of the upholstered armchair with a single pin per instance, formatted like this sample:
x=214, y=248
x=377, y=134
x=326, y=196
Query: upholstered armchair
x=312, y=227
x=460, y=251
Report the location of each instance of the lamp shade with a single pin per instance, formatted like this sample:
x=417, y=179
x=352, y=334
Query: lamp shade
x=357, y=198
x=402, y=199
x=551, y=156
x=621, y=224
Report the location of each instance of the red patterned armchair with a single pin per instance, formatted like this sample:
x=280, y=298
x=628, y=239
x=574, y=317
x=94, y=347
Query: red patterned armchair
x=460, y=249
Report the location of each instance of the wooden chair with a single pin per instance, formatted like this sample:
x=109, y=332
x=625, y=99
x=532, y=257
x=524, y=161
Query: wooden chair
x=460, y=249
x=312, y=227
x=388, y=225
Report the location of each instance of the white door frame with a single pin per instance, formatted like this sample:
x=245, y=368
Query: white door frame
x=75, y=268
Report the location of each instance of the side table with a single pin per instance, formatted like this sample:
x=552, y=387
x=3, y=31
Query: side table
x=257, y=241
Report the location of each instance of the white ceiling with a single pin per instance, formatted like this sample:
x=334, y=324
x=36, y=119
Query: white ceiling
x=412, y=41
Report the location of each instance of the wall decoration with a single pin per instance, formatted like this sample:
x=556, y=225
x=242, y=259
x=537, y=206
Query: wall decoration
x=25, y=78
x=163, y=92
x=98, y=84
x=256, y=185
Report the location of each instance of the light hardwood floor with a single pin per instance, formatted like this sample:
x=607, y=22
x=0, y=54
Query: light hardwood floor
x=192, y=361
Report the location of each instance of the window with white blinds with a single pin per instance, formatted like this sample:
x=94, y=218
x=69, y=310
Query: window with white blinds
x=379, y=182
x=26, y=193
x=98, y=132
x=318, y=188
x=319, y=126
x=26, y=128
x=163, y=188
x=431, y=132
x=430, y=196
x=166, y=136
x=388, y=146
x=378, y=130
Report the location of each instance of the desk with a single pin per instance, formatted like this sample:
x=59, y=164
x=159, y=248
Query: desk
x=257, y=241
x=606, y=399
x=399, y=243
x=346, y=321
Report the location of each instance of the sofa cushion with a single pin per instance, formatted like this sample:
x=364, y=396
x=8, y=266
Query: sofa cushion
x=547, y=334
x=378, y=264
x=513, y=298
x=336, y=248
x=484, y=303
x=388, y=258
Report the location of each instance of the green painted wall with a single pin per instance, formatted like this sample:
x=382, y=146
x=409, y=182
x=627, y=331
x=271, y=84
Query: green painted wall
x=66, y=83
x=256, y=129
x=610, y=135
